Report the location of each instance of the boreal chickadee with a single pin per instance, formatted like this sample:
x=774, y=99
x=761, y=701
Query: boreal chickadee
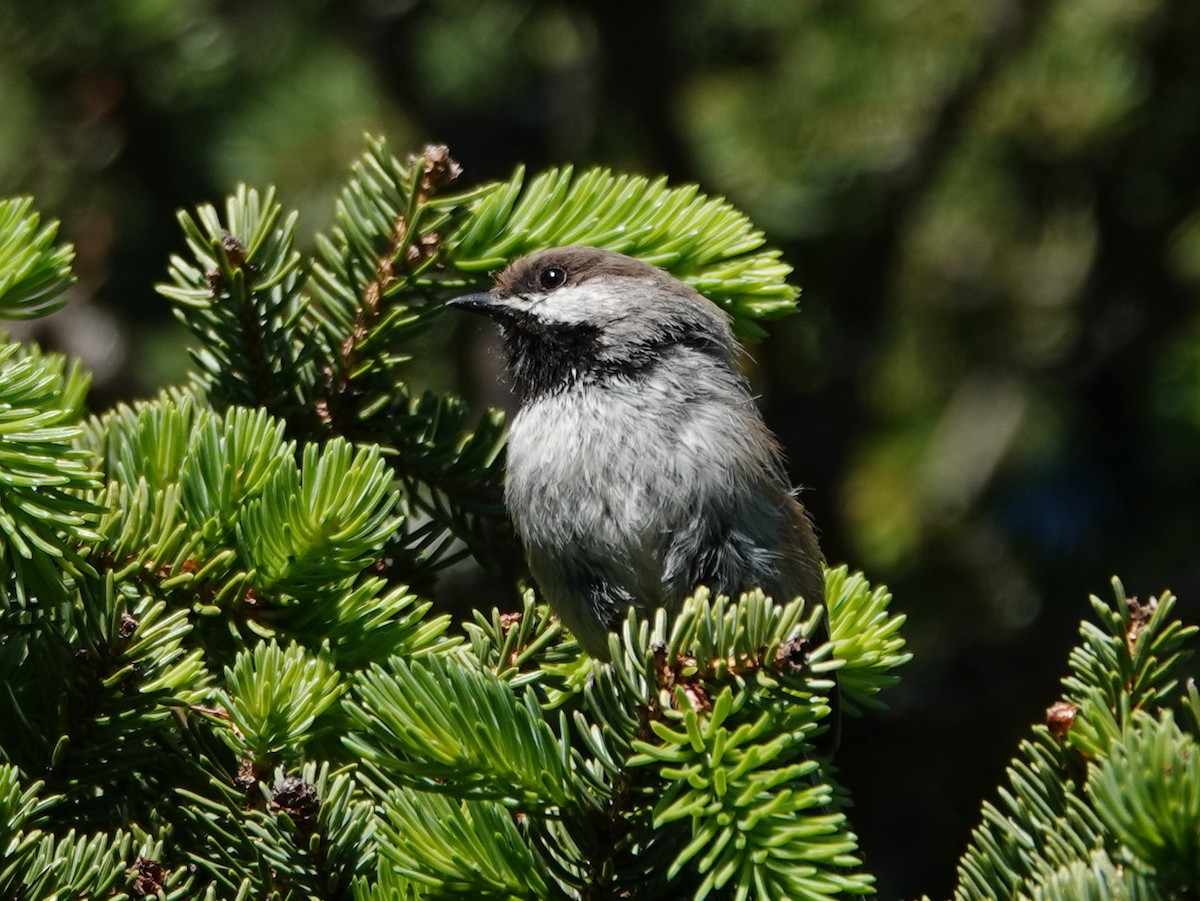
x=638, y=464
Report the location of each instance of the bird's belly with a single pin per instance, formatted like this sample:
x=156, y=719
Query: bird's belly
x=580, y=490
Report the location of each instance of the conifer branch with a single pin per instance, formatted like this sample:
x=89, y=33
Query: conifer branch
x=375, y=284
x=384, y=236
x=231, y=695
x=34, y=271
x=1075, y=816
x=45, y=516
x=701, y=240
x=241, y=295
x=865, y=635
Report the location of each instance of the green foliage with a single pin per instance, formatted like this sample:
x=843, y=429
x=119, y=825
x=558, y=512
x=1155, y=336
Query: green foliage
x=336, y=513
x=734, y=747
x=628, y=774
x=240, y=297
x=452, y=848
x=384, y=238
x=216, y=512
x=43, y=515
x=20, y=809
x=865, y=636
x=701, y=240
x=226, y=680
x=1147, y=794
x=273, y=696
x=1095, y=878
x=441, y=726
x=1105, y=805
x=34, y=271
x=234, y=455
x=1131, y=659
x=78, y=865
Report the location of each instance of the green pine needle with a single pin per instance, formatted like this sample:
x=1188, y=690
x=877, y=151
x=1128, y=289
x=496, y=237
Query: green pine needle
x=1116, y=782
x=34, y=271
x=1094, y=878
x=443, y=726
x=231, y=561
x=240, y=295
x=736, y=760
x=458, y=848
x=274, y=696
x=314, y=526
x=45, y=513
x=865, y=636
x=1146, y=791
x=228, y=463
x=700, y=239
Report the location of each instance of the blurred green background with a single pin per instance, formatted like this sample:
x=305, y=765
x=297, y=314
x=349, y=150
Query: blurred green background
x=992, y=390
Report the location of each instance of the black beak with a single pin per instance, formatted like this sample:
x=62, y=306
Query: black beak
x=483, y=302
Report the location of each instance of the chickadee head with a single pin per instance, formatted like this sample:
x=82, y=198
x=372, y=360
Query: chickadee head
x=572, y=314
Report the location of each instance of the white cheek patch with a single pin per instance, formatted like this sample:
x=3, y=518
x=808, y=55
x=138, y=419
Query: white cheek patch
x=595, y=302
x=570, y=305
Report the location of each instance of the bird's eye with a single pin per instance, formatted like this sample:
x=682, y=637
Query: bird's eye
x=553, y=277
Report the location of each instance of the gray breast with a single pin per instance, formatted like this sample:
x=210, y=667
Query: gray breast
x=613, y=481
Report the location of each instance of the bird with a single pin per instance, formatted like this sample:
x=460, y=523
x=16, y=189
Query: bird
x=639, y=466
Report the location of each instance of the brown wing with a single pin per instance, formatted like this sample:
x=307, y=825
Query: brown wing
x=800, y=564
